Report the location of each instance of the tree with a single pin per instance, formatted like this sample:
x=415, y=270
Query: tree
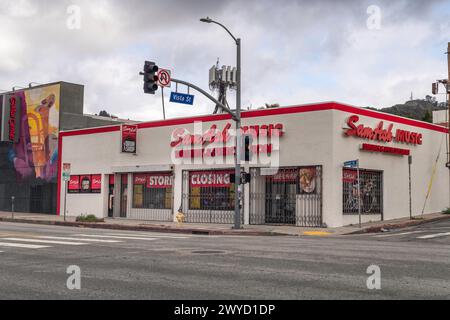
x=104, y=113
x=428, y=117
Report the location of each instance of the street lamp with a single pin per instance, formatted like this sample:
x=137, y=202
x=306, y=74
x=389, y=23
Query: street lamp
x=237, y=188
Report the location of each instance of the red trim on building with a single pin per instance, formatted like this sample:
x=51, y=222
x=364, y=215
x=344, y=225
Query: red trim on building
x=58, y=192
x=269, y=112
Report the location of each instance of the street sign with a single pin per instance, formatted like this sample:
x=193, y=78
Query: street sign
x=182, y=98
x=164, y=78
x=66, y=172
x=351, y=164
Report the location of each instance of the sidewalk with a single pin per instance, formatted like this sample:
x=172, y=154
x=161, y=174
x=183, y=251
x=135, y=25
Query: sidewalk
x=211, y=229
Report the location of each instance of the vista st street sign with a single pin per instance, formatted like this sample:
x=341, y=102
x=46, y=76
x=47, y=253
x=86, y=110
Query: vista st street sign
x=182, y=98
x=351, y=164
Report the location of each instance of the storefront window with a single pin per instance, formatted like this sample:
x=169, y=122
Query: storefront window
x=152, y=191
x=371, y=192
x=211, y=190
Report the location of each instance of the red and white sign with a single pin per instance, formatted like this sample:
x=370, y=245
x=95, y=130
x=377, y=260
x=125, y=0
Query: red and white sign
x=129, y=138
x=96, y=183
x=215, y=179
x=74, y=184
x=286, y=175
x=164, y=78
x=160, y=181
x=140, y=179
x=181, y=136
x=382, y=134
x=385, y=149
x=350, y=176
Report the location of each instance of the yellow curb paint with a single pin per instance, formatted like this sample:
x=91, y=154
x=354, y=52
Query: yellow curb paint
x=316, y=233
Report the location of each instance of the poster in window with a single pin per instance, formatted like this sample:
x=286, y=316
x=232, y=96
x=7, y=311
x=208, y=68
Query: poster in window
x=74, y=184
x=129, y=138
x=308, y=180
x=140, y=179
x=210, y=179
x=350, y=176
x=85, y=184
x=285, y=176
x=96, y=183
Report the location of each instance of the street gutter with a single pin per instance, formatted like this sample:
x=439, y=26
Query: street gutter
x=145, y=228
x=396, y=226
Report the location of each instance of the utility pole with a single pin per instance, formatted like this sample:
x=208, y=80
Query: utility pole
x=448, y=117
x=237, y=118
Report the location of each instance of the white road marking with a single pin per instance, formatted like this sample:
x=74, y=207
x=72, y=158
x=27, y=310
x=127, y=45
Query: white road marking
x=397, y=234
x=114, y=237
x=432, y=236
x=145, y=236
x=20, y=245
x=45, y=241
x=80, y=239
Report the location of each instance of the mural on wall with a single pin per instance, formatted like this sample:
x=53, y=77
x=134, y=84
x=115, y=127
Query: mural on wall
x=36, y=153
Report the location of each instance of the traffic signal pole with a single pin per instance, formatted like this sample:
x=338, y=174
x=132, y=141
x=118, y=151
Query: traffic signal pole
x=237, y=183
x=206, y=94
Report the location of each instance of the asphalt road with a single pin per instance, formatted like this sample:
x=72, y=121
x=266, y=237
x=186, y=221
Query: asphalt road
x=135, y=265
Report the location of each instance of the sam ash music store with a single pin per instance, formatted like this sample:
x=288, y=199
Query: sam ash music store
x=152, y=170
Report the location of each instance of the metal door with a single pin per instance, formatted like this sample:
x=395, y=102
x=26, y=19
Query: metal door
x=289, y=196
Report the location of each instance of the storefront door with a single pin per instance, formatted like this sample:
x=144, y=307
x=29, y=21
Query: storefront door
x=290, y=196
x=280, y=200
x=124, y=196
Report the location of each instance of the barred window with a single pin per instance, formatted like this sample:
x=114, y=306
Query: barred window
x=152, y=191
x=371, y=191
x=211, y=190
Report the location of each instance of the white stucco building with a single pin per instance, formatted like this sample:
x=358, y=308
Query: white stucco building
x=308, y=143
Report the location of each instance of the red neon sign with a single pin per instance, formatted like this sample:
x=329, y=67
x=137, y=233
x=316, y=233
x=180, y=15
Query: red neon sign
x=382, y=134
x=180, y=136
x=12, y=118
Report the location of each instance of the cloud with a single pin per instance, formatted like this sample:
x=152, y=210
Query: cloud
x=294, y=52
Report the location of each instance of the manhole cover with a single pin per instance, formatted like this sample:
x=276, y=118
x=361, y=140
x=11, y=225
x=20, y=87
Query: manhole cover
x=208, y=252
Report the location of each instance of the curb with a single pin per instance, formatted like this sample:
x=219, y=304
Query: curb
x=412, y=223
x=148, y=228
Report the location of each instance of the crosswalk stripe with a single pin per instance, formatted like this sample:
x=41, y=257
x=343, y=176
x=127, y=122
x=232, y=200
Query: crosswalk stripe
x=21, y=245
x=432, y=236
x=79, y=239
x=114, y=237
x=45, y=241
x=397, y=234
x=145, y=236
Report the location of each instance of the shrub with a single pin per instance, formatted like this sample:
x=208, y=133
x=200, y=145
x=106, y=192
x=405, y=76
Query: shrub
x=446, y=211
x=88, y=218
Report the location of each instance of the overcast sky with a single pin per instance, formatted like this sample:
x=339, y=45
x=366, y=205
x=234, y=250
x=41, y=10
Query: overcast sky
x=294, y=52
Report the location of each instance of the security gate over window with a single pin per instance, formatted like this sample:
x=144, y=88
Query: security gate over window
x=152, y=196
x=291, y=196
x=208, y=196
x=371, y=192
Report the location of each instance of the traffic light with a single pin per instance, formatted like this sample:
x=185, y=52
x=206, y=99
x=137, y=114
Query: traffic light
x=435, y=88
x=247, y=148
x=150, y=77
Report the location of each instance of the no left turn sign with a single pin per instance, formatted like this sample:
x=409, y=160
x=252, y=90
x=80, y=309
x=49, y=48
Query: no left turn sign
x=164, y=78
